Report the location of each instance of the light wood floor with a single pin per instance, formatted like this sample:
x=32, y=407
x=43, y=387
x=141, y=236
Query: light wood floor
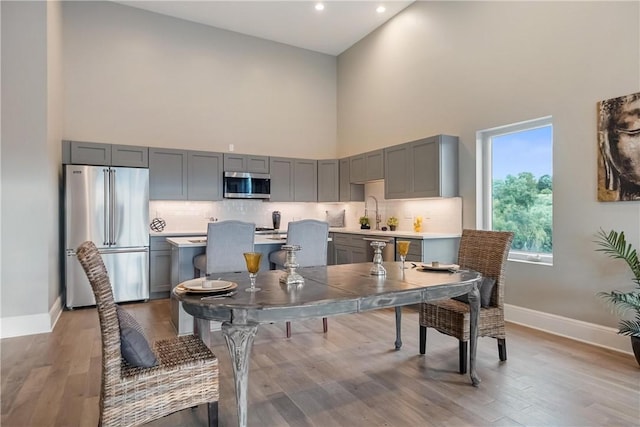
x=348, y=377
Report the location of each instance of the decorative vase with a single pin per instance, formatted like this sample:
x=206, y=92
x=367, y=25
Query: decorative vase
x=392, y=227
x=635, y=345
x=275, y=216
x=365, y=227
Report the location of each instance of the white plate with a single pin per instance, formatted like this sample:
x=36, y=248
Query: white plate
x=206, y=285
x=440, y=267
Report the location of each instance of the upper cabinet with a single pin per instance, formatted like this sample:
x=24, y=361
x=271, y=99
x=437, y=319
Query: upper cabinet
x=367, y=167
x=349, y=192
x=328, y=181
x=293, y=180
x=184, y=175
x=423, y=168
x=245, y=163
x=100, y=154
x=204, y=175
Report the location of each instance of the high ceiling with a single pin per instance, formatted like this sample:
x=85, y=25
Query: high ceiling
x=295, y=22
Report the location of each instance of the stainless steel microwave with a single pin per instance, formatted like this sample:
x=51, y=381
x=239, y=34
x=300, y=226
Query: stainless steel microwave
x=244, y=185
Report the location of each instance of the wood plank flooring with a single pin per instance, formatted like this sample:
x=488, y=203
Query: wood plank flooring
x=348, y=377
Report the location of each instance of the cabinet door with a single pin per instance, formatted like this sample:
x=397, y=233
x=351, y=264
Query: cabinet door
x=433, y=165
x=349, y=192
x=358, y=170
x=90, y=153
x=159, y=274
x=129, y=156
x=359, y=255
x=396, y=181
x=257, y=164
x=281, y=179
x=235, y=162
x=305, y=181
x=167, y=174
x=374, y=163
x=343, y=254
x=328, y=181
x=205, y=175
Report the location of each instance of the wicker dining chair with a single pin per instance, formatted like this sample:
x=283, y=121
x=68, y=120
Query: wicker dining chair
x=485, y=252
x=185, y=375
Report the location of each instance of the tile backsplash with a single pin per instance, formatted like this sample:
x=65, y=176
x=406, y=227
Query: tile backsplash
x=439, y=215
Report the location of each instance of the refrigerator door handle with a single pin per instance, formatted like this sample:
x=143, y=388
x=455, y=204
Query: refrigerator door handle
x=123, y=250
x=105, y=208
x=112, y=209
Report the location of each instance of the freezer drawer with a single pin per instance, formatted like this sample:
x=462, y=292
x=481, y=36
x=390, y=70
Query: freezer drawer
x=128, y=271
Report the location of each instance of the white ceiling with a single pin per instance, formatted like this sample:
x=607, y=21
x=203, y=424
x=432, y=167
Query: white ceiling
x=295, y=22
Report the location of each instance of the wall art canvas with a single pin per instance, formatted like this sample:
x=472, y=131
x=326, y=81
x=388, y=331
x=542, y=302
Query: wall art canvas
x=619, y=148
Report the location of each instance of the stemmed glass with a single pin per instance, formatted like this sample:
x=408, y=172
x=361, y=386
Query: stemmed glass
x=253, y=265
x=403, y=250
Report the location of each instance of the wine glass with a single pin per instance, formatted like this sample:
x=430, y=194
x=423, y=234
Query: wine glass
x=253, y=265
x=403, y=250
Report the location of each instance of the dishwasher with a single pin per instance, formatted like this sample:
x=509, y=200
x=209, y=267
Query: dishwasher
x=388, y=252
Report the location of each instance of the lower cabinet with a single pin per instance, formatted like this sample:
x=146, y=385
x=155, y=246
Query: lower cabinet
x=349, y=248
x=159, y=268
x=444, y=250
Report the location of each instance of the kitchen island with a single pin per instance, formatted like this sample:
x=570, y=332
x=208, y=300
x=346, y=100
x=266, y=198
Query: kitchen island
x=184, y=249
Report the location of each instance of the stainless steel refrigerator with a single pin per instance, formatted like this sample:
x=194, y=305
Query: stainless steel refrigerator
x=109, y=206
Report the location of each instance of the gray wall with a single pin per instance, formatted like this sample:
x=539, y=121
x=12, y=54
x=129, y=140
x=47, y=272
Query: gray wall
x=135, y=77
x=30, y=160
x=461, y=67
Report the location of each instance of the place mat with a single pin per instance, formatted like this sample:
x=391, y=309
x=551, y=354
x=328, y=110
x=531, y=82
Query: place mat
x=440, y=267
x=192, y=289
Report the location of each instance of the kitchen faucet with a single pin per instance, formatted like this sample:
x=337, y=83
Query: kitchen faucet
x=378, y=218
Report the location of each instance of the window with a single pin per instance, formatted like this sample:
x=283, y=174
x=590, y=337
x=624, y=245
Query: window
x=516, y=186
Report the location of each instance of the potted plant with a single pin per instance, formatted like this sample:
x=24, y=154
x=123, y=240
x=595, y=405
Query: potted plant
x=392, y=222
x=364, y=223
x=615, y=246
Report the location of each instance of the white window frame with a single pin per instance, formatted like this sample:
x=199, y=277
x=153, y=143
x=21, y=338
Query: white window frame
x=484, y=187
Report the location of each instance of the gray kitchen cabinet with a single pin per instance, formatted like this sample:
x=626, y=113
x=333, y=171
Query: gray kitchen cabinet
x=426, y=167
x=349, y=248
x=101, y=154
x=305, y=181
x=281, y=171
x=293, y=180
x=159, y=268
x=328, y=181
x=204, y=175
x=349, y=192
x=367, y=167
x=245, y=163
x=168, y=176
x=331, y=251
x=357, y=169
x=443, y=250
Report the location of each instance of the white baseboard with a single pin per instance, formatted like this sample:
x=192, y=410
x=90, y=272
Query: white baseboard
x=589, y=333
x=41, y=323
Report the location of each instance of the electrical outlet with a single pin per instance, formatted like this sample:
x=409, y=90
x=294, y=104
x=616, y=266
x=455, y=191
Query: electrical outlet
x=231, y=147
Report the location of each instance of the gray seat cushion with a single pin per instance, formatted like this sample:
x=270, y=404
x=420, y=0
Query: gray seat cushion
x=134, y=345
x=200, y=262
x=278, y=257
x=485, y=288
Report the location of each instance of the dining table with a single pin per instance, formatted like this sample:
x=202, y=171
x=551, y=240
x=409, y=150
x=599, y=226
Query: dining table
x=326, y=291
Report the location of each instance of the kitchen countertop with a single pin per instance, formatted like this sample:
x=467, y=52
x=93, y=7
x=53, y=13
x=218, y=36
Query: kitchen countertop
x=201, y=240
x=398, y=233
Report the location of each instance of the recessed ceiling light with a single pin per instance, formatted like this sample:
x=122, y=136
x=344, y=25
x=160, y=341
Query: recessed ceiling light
x=319, y=6
x=380, y=9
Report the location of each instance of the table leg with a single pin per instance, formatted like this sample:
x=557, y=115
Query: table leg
x=474, y=313
x=239, y=340
x=202, y=328
x=398, y=342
